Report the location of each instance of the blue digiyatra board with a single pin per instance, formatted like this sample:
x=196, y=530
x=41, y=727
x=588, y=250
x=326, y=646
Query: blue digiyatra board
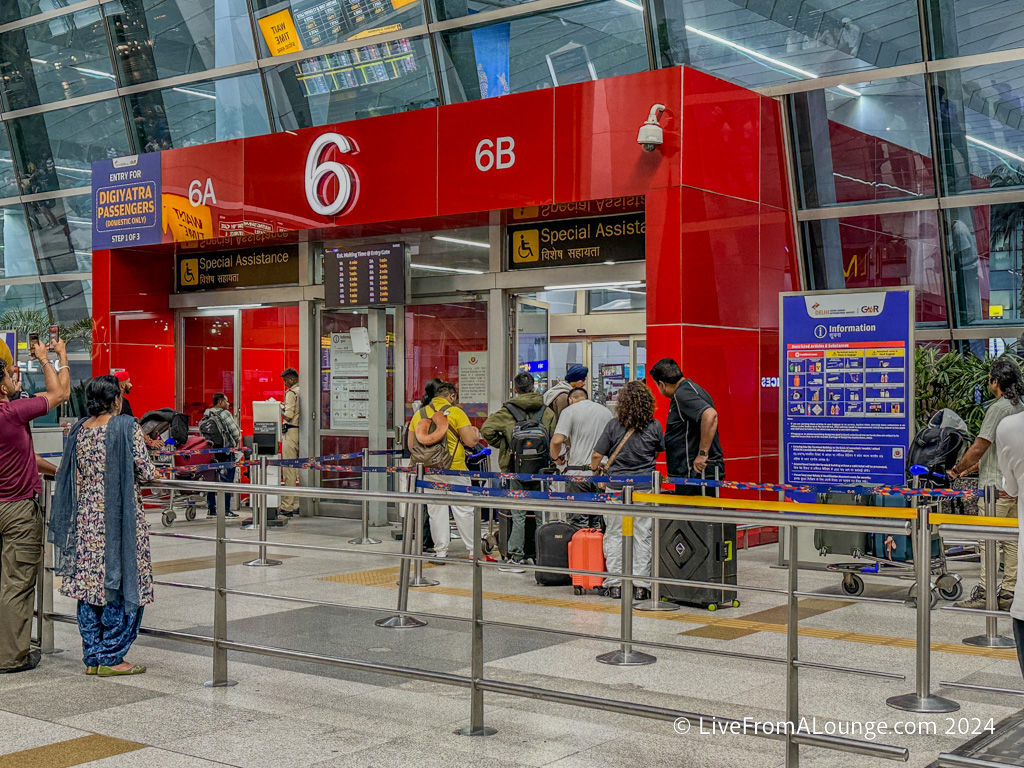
x=846, y=386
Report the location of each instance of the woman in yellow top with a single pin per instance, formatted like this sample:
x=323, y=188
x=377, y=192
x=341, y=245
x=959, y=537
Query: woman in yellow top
x=439, y=395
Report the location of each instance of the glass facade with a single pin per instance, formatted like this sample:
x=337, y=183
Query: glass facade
x=938, y=155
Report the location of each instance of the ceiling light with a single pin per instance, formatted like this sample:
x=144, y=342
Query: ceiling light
x=993, y=148
x=619, y=284
x=94, y=72
x=850, y=91
x=448, y=269
x=40, y=61
x=631, y=4
x=190, y=92
x=461, y=242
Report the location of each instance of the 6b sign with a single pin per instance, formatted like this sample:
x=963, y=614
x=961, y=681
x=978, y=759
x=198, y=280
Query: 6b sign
x=498, y=153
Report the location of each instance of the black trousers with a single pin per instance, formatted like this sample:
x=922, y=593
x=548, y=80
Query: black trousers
x=1018, y=633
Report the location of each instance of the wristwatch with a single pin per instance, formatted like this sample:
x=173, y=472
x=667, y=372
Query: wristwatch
x=702, y=453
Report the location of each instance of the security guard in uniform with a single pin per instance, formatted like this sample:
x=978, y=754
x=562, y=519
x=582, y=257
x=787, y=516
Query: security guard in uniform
x=290, y=442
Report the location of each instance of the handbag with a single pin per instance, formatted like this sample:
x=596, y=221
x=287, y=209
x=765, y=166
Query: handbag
x=602, y=468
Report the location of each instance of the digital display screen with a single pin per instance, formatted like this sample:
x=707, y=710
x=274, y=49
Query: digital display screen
x=364, y=276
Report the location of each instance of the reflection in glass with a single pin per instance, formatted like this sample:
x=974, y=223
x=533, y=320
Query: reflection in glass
x=756, y=43
x=61, y=58
x=564, y=355
x=18, y=259
x=556, y=48
x=376, y=79
x=199, y=113
x=61, y=232
x=64, y=303
x=877, y=251
x=609, y=369
x=55, y=150
x=981, y=128
x=618, y=299
x=975, y=26
x=867, y=142
x=451, y=251
x=8, y=178
x=156, y=39
x=560, y=302
x=301, y=25
x=986, y=245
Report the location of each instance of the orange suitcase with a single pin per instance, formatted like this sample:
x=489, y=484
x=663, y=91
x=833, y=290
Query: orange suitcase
x=586, y=552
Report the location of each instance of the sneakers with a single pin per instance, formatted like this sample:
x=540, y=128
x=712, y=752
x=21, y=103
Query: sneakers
x=976, y=600
x=1005, y=600
x=513, y=565
x=641, y=593
x=615, y=593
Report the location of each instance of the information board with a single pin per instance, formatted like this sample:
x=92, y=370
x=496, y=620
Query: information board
x=126, y=201
x=577, y=241
x=238, y=268
x=847, y=386
x=350, y=384
x=365, y=276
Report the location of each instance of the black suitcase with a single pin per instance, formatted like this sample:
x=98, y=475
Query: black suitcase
x=698, y=552
x=553, y=550
x=505, y=528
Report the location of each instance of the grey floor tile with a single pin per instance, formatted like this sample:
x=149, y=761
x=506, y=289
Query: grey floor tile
x=18, y=733
x=70, y=696
x=155, y=758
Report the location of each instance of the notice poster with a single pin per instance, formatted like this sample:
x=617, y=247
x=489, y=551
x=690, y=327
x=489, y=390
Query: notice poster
x=126, y=201
x=350, y=385
x=847, y=386
x=473, y=377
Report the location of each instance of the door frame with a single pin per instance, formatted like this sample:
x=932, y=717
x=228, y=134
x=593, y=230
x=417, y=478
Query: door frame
x=517, y=301
x=179, y=351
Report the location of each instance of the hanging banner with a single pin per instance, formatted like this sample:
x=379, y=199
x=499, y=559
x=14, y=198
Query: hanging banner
x=847, y=386
x=577, y=241
x=126, y=201
x=238, y=268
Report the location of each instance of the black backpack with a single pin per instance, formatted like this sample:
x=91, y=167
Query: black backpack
x=212, y=430
x=154, y=423
x=938, y=446
x=530, y=448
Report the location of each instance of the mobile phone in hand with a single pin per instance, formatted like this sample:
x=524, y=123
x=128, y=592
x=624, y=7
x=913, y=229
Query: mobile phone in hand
x=33, y=339
x=54, y=334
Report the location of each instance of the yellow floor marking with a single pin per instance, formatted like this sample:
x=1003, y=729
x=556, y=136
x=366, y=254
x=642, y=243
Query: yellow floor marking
x=388, y=577
x=65, y=754
x=165, y=567
x=808, y=608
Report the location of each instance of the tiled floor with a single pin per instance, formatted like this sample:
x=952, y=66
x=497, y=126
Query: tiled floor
x=289, y=714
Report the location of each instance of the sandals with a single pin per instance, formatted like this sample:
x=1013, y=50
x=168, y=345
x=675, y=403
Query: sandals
x=135, y=669
x=90, y=670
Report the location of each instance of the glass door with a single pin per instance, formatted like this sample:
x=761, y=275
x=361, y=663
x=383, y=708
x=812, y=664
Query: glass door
x=209, y=360
x=609, y=369
x=531, y=319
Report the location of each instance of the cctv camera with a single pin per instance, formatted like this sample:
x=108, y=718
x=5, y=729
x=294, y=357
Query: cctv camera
x=651, y=135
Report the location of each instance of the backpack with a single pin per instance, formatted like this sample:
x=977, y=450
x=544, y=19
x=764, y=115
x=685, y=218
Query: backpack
x=154, y=423
x=212, y=430
x=530, y=447
x=428, y=444
x=938, y=446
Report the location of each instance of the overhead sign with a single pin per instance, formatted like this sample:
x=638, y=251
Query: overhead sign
x=577, y=241
x=126, y=201
x=238, y=268
x=280, y=33
x=365, y=276
x=847, y=394
x=575, y=210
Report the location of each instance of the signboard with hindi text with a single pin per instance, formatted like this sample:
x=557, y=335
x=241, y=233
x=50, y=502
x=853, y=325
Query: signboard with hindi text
x=559, y=243
x=236, y=268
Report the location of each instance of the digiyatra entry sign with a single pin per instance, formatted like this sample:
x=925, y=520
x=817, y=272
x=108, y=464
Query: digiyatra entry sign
x=847, y=386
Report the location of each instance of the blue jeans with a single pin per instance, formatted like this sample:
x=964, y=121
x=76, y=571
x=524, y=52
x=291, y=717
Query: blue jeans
x=1018, y=633
x=107, y=632
x=224, y=475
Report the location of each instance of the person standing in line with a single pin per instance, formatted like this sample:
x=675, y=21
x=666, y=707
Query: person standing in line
x=572, y=447
x=461, y=435
x=99, y=531
x=692, y=447
x=629, y=445
x=290, y=440
x=1010, y=439
x=227, y=436
x=557, y=398
x=21, y=521
x=497, y=430
x=125, y=383
x=1004, y=381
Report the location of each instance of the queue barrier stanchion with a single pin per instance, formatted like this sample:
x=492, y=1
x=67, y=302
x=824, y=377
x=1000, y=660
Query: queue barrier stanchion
x=364, y=536
x=418, y=579
x=476, y=725
x=261, y=561
x=220, y=601
x=991, y=638
x=792, y=650
x=656, y=603
x=922, y=700
x=626, y=656
x=44, y=579
x=400, y=620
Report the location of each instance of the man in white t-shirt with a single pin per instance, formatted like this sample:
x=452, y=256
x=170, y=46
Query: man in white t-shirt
x=1010, y=439
x=580, y=425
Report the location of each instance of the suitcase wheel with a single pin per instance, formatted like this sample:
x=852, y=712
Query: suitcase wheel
x=713, y=607
x=577, y=590
x=853, y=584
x=190, y=512
x=735, y=603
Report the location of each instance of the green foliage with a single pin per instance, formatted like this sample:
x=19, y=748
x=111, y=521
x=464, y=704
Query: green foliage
x=26, y=321
x=951, y=380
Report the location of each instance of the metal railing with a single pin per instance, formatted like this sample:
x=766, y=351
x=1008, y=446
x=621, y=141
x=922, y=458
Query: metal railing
x=476, y=681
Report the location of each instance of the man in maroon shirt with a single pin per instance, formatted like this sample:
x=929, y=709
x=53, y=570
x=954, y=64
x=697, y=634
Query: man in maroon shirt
x=21, y=523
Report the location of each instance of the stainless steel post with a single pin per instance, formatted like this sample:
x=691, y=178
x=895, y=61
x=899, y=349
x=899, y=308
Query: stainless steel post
x=44, y=584
x=399, y=620
x=626, y=656
x=656, y=603
x=364, y=537
x=262, y=560
x=220, y=601
x=792, y=653
x=991, y=638
x=418, y=580
x=922, y=699
x=476, y=725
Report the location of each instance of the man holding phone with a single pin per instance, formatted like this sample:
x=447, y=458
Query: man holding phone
x=21, y=522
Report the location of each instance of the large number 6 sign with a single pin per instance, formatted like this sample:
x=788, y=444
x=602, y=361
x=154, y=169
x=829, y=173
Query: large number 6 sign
x=317, y=171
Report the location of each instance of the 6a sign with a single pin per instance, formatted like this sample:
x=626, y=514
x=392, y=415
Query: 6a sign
x=319, y=171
